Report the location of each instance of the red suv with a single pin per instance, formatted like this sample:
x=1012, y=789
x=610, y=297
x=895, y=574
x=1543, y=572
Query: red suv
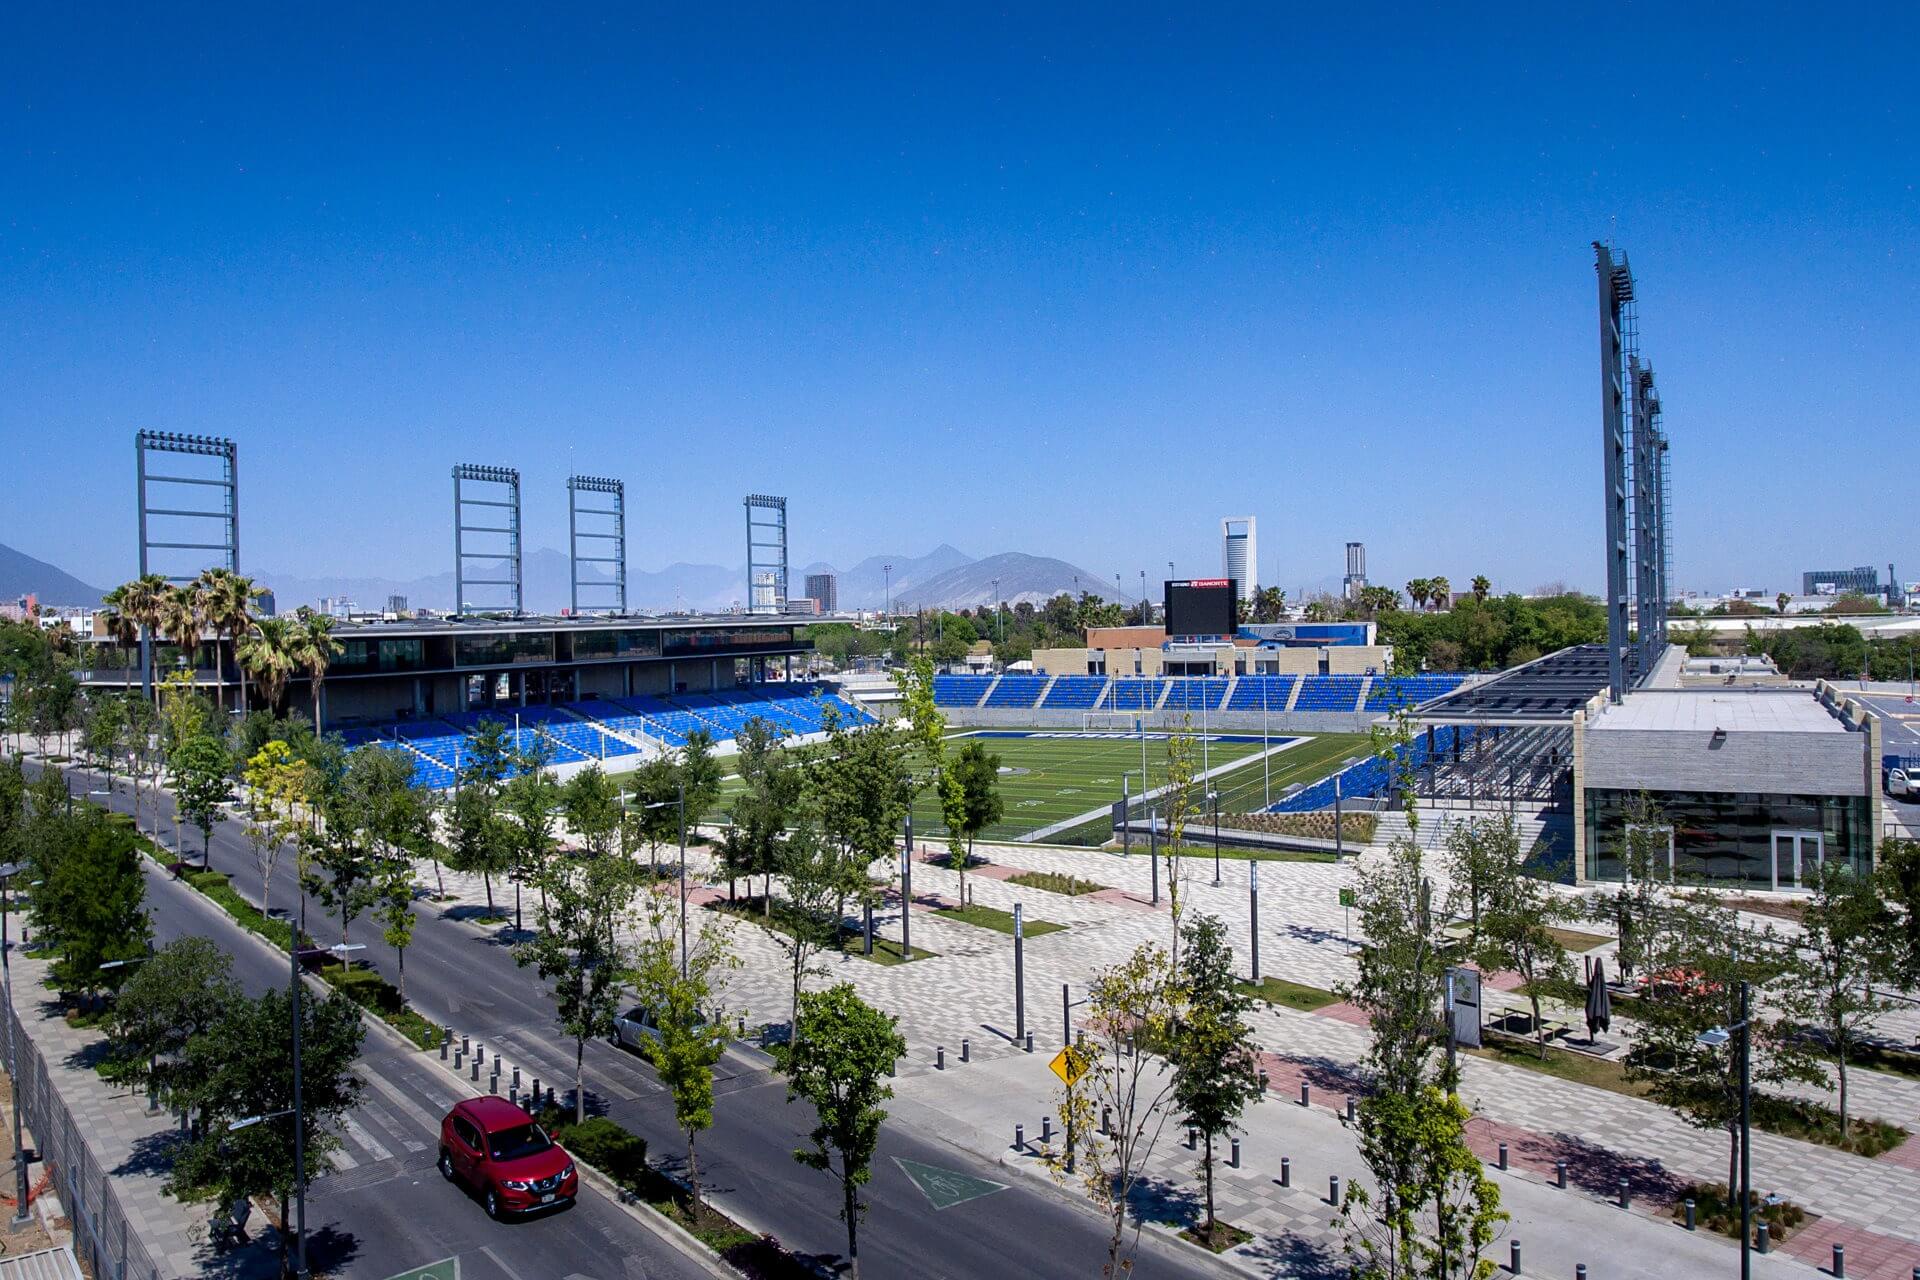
x=497, y=1149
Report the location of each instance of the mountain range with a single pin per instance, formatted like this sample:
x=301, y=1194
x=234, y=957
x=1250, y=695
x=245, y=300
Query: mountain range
x=22, y=575
x=945, y=577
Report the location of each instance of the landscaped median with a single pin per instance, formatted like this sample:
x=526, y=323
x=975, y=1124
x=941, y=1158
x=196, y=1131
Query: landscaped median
x=361, y=984
x=784, y=919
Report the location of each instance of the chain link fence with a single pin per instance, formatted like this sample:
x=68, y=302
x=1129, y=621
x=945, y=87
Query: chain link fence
x=106, y=1246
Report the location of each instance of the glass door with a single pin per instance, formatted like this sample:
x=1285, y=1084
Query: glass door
x=1795, y=855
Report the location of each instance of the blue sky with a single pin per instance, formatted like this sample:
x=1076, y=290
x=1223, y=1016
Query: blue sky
x=1077, y=283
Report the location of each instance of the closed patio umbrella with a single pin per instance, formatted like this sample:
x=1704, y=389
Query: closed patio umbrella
x=1599, y=1002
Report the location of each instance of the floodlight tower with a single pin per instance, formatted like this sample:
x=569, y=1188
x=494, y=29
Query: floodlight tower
x=1649, y=514
x=503, y=483
x=176, y=524
x=766, y=553
x=1616, y=319
x=609, y=526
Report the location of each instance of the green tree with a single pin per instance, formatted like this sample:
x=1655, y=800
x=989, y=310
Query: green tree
x=97, y=894
x=700, y=774
x=1841, y=968
x=1179, y=801
x=1898, y=880
x=974, y=776
x=1517, y=933
x=655, y=815
x=841, y=1067
x=105, y=730
x=1433, y=1210
x=764, y=809
x=577, y=948
x=690, y=1023
x=276, y=786
x=182, y=991
x=245, y=1068
x=530, y=800
x=859, y=787
x=1482, y=858
x=200, y=786
x=315, y=648
x=591, y=802
x=1216, y=1069
x=481, y=842
x=810, y=870
x=1711, y=955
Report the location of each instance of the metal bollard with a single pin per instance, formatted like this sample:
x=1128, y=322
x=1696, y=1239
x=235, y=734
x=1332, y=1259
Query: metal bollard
x=1264, y=1080
x=1513, y=1256
x=1624, y=1202
x=1106, y=1121
x=456, y=1059
x=939, y=1057
x=474, y=1068
x=1352, y=1108
x=743, y=1028
x=1286, y=1171
x=536, y=1091
x=466, y=1045
x=549, y=1095
x=1233, y=1154
x=493, y=1083
x=513, y=1094
x=446, y=1042
x=1762, y=1242
x=1019, y=1137
x=1503, y=1155
x=1333, y=1188
x=1839, y=1262
x=1690, y=1209
x=1306, y=1094
x=1193, y=1138
x=1560, y=1174
x=516, y=1077
x=479, y=1053
x=1046, y=1130
x=1579, y=1271
x=966, y=1049
x=1029, y=1042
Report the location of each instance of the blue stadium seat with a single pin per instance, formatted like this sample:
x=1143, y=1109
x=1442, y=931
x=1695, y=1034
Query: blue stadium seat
x=1195, y=693
x=1255, y=693
x=959, y=691
x=1371, y=776
x=1017, y=691
x=1391, y=692
x=1134, y=693
x=1329, y=693
x=1075, y=693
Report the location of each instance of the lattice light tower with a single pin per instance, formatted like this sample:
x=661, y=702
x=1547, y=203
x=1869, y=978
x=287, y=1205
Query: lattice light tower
x=500, y=543
x=606, y=531
x=1638, y=497
x=175, y=523
x=766, y=554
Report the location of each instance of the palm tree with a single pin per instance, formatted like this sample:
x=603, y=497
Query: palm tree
x=1780, y=602
x=1440, y=591
x=269, y=651
x=139, y=602
x=314, y=649
x=1417, y=592
x=118, y=622
x=182, y=620
x=1481, y=586
x=228, y=605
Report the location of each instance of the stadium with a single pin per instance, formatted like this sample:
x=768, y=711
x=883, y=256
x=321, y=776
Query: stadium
x=1754, y=786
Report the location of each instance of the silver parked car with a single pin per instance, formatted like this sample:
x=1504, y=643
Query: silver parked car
x=639, y=1030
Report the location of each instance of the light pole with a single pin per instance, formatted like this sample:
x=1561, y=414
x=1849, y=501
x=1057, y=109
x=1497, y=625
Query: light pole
x=1213, y=797
x=1713, y=1039
x=300, y=1270
x=20, y=1214
x=886, y=572
x=681, y=803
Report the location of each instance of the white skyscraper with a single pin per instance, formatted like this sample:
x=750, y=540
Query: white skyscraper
x=1239, y=554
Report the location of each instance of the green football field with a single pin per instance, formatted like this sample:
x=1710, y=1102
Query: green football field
x=1050, y=777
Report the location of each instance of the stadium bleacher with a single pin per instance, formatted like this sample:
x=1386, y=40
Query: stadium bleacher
x=1139, y=693
x=1390, y=692
x=1074, y=693
x=1017, y=691
x=1371, y=776
x=1198, y=693
x=1255, y=693
x=1329, y=693
x=959, y=691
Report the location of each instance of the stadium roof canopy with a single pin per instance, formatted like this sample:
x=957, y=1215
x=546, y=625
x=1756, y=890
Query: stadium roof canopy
x=1547, y=689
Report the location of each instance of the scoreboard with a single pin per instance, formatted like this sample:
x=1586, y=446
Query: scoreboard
x=1202, y=607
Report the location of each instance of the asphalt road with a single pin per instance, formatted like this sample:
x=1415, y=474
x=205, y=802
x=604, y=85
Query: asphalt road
x=385, y=1209
x=464, y=977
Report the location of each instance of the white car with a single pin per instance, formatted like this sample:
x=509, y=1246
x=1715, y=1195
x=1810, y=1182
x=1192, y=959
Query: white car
x=639, y=1030
x=1904, y=784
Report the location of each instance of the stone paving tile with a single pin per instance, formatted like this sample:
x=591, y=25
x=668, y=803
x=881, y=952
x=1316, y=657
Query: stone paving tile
x=1870, y=1255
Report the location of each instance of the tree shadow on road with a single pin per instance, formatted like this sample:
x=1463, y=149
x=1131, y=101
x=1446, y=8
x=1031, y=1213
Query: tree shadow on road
x=1296, y=1256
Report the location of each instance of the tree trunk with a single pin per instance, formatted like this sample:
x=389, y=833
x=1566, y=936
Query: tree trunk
x=579, y=1080
x=1209, y=1171
x=206, y=848
x=1840, y=1046
x=401, y=954
x=693, y=1177
x=486, y=878
x=1539, y=1032
x=852, y=1210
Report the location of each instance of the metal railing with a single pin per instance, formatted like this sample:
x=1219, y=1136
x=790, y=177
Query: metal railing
x=102, y=1239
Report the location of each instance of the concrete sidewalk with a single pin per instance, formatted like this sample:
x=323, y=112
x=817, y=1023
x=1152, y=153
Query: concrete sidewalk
x=132, y=1146
x=1296, y=1230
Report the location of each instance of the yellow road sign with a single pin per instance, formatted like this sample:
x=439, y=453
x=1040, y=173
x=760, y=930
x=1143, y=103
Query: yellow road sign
x=1069, y=1066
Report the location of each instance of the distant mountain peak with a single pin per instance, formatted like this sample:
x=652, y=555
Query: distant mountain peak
x=23, y=575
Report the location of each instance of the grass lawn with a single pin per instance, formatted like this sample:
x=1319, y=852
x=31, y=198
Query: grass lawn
x=997, y=920
x=852, y=942
x=1055, y=882
x=1576, y=941
x=1294, y=995
x=1814, y=1122
x=1600, y=1073
x=1048, y=778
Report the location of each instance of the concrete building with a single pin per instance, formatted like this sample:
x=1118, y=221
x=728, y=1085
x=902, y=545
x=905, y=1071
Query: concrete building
x=1753, y=786
x=1355, y=580
x=1277, y=649
x=824, y=590
x=1828, y=582
x=1240, y=554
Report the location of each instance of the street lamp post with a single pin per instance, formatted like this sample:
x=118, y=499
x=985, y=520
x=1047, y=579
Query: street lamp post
x=681, y=803
x=20, y=1213
x=1713, y=1039
x=1213, y=797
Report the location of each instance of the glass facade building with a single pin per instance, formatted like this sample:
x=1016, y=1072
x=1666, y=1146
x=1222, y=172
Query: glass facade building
x=1760, y=841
